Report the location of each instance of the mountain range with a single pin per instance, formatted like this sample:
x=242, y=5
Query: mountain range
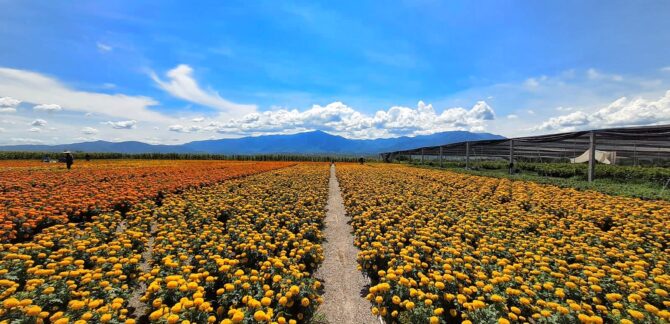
x=314, y=142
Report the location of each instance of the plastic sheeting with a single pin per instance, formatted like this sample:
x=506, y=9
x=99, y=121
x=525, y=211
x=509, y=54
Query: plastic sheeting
x=601, y=156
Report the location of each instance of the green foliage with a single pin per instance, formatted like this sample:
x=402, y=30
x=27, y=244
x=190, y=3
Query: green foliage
x=656, y=175
x=639, y=182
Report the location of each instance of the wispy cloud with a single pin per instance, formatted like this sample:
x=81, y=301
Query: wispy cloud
x=89, y=130
x=34, y=87
x=104, y=48
x=181, y=84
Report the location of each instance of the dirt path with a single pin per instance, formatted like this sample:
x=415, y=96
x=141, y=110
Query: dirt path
x=343, y=283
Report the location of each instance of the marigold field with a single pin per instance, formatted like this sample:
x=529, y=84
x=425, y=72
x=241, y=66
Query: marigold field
x=444, y=247
x=35, y=196
x=240, y=242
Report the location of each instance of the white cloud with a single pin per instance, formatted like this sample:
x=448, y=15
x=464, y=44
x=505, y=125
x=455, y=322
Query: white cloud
x=190, y=129
x=124, y=124
x=36, y=88
x=512, y=116
x=533, y=83
x=9, y=102
x=593, y=74
x=176, y=128
x=568, y=122
x=38, y=122
x=181, y=84
x=196, y=128
x=26, y=140
x=35, y=129
x=102, y=47
x=198, y=119
x=341, y=119
x=89, y=130
x=621, y=112
x=48, y=108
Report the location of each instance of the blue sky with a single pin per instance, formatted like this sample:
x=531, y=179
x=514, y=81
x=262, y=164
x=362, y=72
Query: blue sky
x=172, y=72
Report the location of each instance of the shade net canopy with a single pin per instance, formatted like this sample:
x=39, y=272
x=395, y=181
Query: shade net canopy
x=629, y=145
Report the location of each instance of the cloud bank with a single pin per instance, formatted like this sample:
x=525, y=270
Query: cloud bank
x=341, y=119
x=621, y=112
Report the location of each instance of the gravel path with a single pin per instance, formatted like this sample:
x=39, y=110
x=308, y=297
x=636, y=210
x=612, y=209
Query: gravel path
x=343, y=283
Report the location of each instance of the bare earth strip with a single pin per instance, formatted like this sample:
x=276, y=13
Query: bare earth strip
x=343, y=282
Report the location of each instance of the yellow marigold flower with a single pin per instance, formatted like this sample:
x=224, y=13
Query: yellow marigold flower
x=173, y=319
x=497, y=298
x=635, y=314
x=260, y=316
x=10, y=303
x=477, y=304
x=294, y=290
x=33, y=310
x=238, y=316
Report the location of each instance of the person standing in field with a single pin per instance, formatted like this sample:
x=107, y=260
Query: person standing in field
x=69, y=159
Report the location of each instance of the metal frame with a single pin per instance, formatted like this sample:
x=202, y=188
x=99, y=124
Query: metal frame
x=632, y=145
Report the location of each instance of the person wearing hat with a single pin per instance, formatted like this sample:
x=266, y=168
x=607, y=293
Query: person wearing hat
x=69, y=159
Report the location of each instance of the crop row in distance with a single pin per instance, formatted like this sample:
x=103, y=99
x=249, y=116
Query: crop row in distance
x=243, y=250
x=443, y=247
x=35, y=196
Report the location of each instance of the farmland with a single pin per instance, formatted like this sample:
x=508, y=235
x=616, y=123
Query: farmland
x=138, y=241
x=239, y=249
x=35, y=196
x=446, y=247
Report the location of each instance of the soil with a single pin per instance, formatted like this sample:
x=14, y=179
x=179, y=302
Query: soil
x=343, y=283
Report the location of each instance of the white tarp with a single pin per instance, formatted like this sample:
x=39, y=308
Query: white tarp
x=601, y=156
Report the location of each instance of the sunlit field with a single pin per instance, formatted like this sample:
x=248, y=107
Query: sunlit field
x=241, y=242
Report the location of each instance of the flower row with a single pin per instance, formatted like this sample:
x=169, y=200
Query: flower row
x=443, y=247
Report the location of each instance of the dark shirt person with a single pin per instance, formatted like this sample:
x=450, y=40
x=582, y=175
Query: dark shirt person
x=69, y=160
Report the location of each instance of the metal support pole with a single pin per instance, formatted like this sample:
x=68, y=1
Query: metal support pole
x=592, y=156
x=467, y=155
x=422, y=156
x=441, y=159
x=511, y=156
